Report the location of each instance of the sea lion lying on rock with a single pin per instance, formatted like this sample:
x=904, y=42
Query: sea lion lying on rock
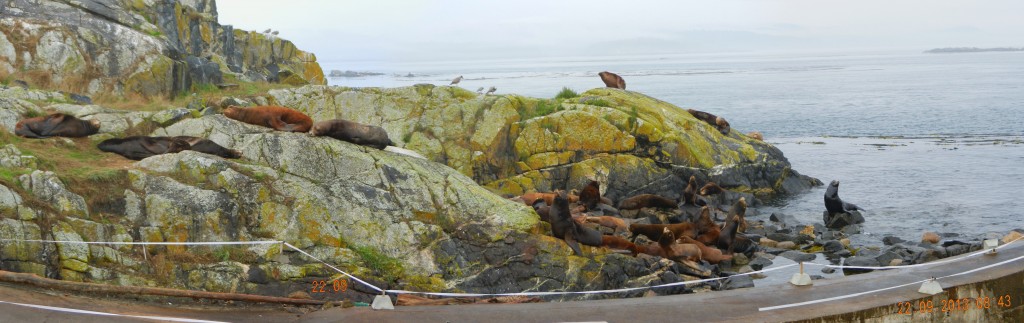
x=711, y=255
x=616, y=224
x=653, y=231
x=207, y=146
x=612, y=80
x=354, y=132
x=718, y=122
x=616, y=242
x=56, y=125
x=275, y=117
x=646, y=200
x=140, y=147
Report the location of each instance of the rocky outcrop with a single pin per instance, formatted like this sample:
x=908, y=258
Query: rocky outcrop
x=398, y=221
x=630, y=142
x=152, y=48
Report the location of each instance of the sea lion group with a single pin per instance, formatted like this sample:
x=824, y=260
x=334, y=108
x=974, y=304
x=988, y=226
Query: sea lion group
x=580, y=219
x=140, y=147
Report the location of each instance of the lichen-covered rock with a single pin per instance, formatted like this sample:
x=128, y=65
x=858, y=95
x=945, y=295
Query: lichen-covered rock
x=12, y=110
x=629, y=142
x=47, y=187
x=153, y=48
x=11, y=157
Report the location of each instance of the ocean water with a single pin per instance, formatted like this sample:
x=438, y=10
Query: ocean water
x=924, y=142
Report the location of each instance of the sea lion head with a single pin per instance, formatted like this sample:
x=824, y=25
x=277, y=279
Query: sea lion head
x=95, y=123
x=743, y=201
x=834, y=183
x=318, y=128
x=232, y=111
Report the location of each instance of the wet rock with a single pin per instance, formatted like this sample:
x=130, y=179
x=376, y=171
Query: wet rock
x=765, y=242
x=784, y=219
x=887, y=257
x=828, y=270
x=832, y=246
x=781, y=237
x=737, y=282
x=839, y=220
x=896, y=262
x=958, y=249
x=859, y=261
x=740, y=259
x=930, y=237
x=842, y=253
x=760, y=263
x=928, y=255
x=798, y=256
x=851, y=229
x=891, y=240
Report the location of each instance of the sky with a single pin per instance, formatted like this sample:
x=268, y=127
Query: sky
x=462, y=29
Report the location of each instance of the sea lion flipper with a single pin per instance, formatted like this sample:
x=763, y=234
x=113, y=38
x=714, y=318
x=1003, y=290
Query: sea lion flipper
x=572, y=244
x=850, y=207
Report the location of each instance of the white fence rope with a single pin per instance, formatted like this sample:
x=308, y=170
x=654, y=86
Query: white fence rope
x=931, y=263
x=78, y=311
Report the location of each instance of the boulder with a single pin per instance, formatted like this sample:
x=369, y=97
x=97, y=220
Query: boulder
x=798, y=256
x=839, y=220
x=930, y=237
x=859, y=261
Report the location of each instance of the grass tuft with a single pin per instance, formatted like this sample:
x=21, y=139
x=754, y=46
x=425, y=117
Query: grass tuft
x=566, y=93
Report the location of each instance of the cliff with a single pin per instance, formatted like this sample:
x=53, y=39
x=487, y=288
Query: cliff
x=146, y=47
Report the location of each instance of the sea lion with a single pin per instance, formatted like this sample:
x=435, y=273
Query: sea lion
x=727, y=239
x=711, y=188
x=616, y=224
x=646, y=200
x=653, y=231
x=532, y=197
x=56, y=125
x=740, y=209
x=690, y=192
x=707, y=230
x=718, y=122
x=207, y=146
x=276, y=117
x=612, y=80
x=139, y=147
x=564, y=227
x=674, y=251
x=616, y=242
x=354, y=132
x=756, y=135
x=711, y=255
x=591, y=195
x=833, y=204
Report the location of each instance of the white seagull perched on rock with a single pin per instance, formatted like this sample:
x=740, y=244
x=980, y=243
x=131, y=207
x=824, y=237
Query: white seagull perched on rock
x=491, y=90
x=480, y=90
x=456, y=80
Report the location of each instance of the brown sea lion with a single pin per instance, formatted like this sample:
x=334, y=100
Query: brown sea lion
x=612, y=80
x=139, y=147
x=616, y=242
x=276, y=117
x=531, y=197
x=354, y=132
x=56, y=125
x=609, y=222
x=646, y=200
x=207, y=146
x=711, y=189
x=740, y=209
x=707, y=230
x=711, y=255
x=718, y=122
x=756, y=135
x=690, y=192
x=591, y=195
x=653, y=231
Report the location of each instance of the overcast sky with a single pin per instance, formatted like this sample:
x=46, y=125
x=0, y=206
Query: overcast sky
x=463, y=29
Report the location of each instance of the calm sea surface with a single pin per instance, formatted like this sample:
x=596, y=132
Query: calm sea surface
x=922, y=141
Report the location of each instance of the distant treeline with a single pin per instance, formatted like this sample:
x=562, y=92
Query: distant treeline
x=973, y=50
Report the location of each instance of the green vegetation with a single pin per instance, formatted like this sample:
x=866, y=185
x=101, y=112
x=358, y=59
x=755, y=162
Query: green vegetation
x=599, y=102
x=566, y=93
x=383, y=266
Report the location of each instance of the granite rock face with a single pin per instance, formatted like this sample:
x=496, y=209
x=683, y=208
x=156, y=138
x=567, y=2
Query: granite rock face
x=151, y=48
x=631, y=143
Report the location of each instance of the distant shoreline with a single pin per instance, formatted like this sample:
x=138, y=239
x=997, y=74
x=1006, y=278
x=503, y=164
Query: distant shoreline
x=972, y=50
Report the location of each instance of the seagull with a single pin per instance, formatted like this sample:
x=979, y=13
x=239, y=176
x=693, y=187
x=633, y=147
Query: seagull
x=456, y=80
x=266, y=31
x=491, y=90
x=480, y=90
x=274, y=33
